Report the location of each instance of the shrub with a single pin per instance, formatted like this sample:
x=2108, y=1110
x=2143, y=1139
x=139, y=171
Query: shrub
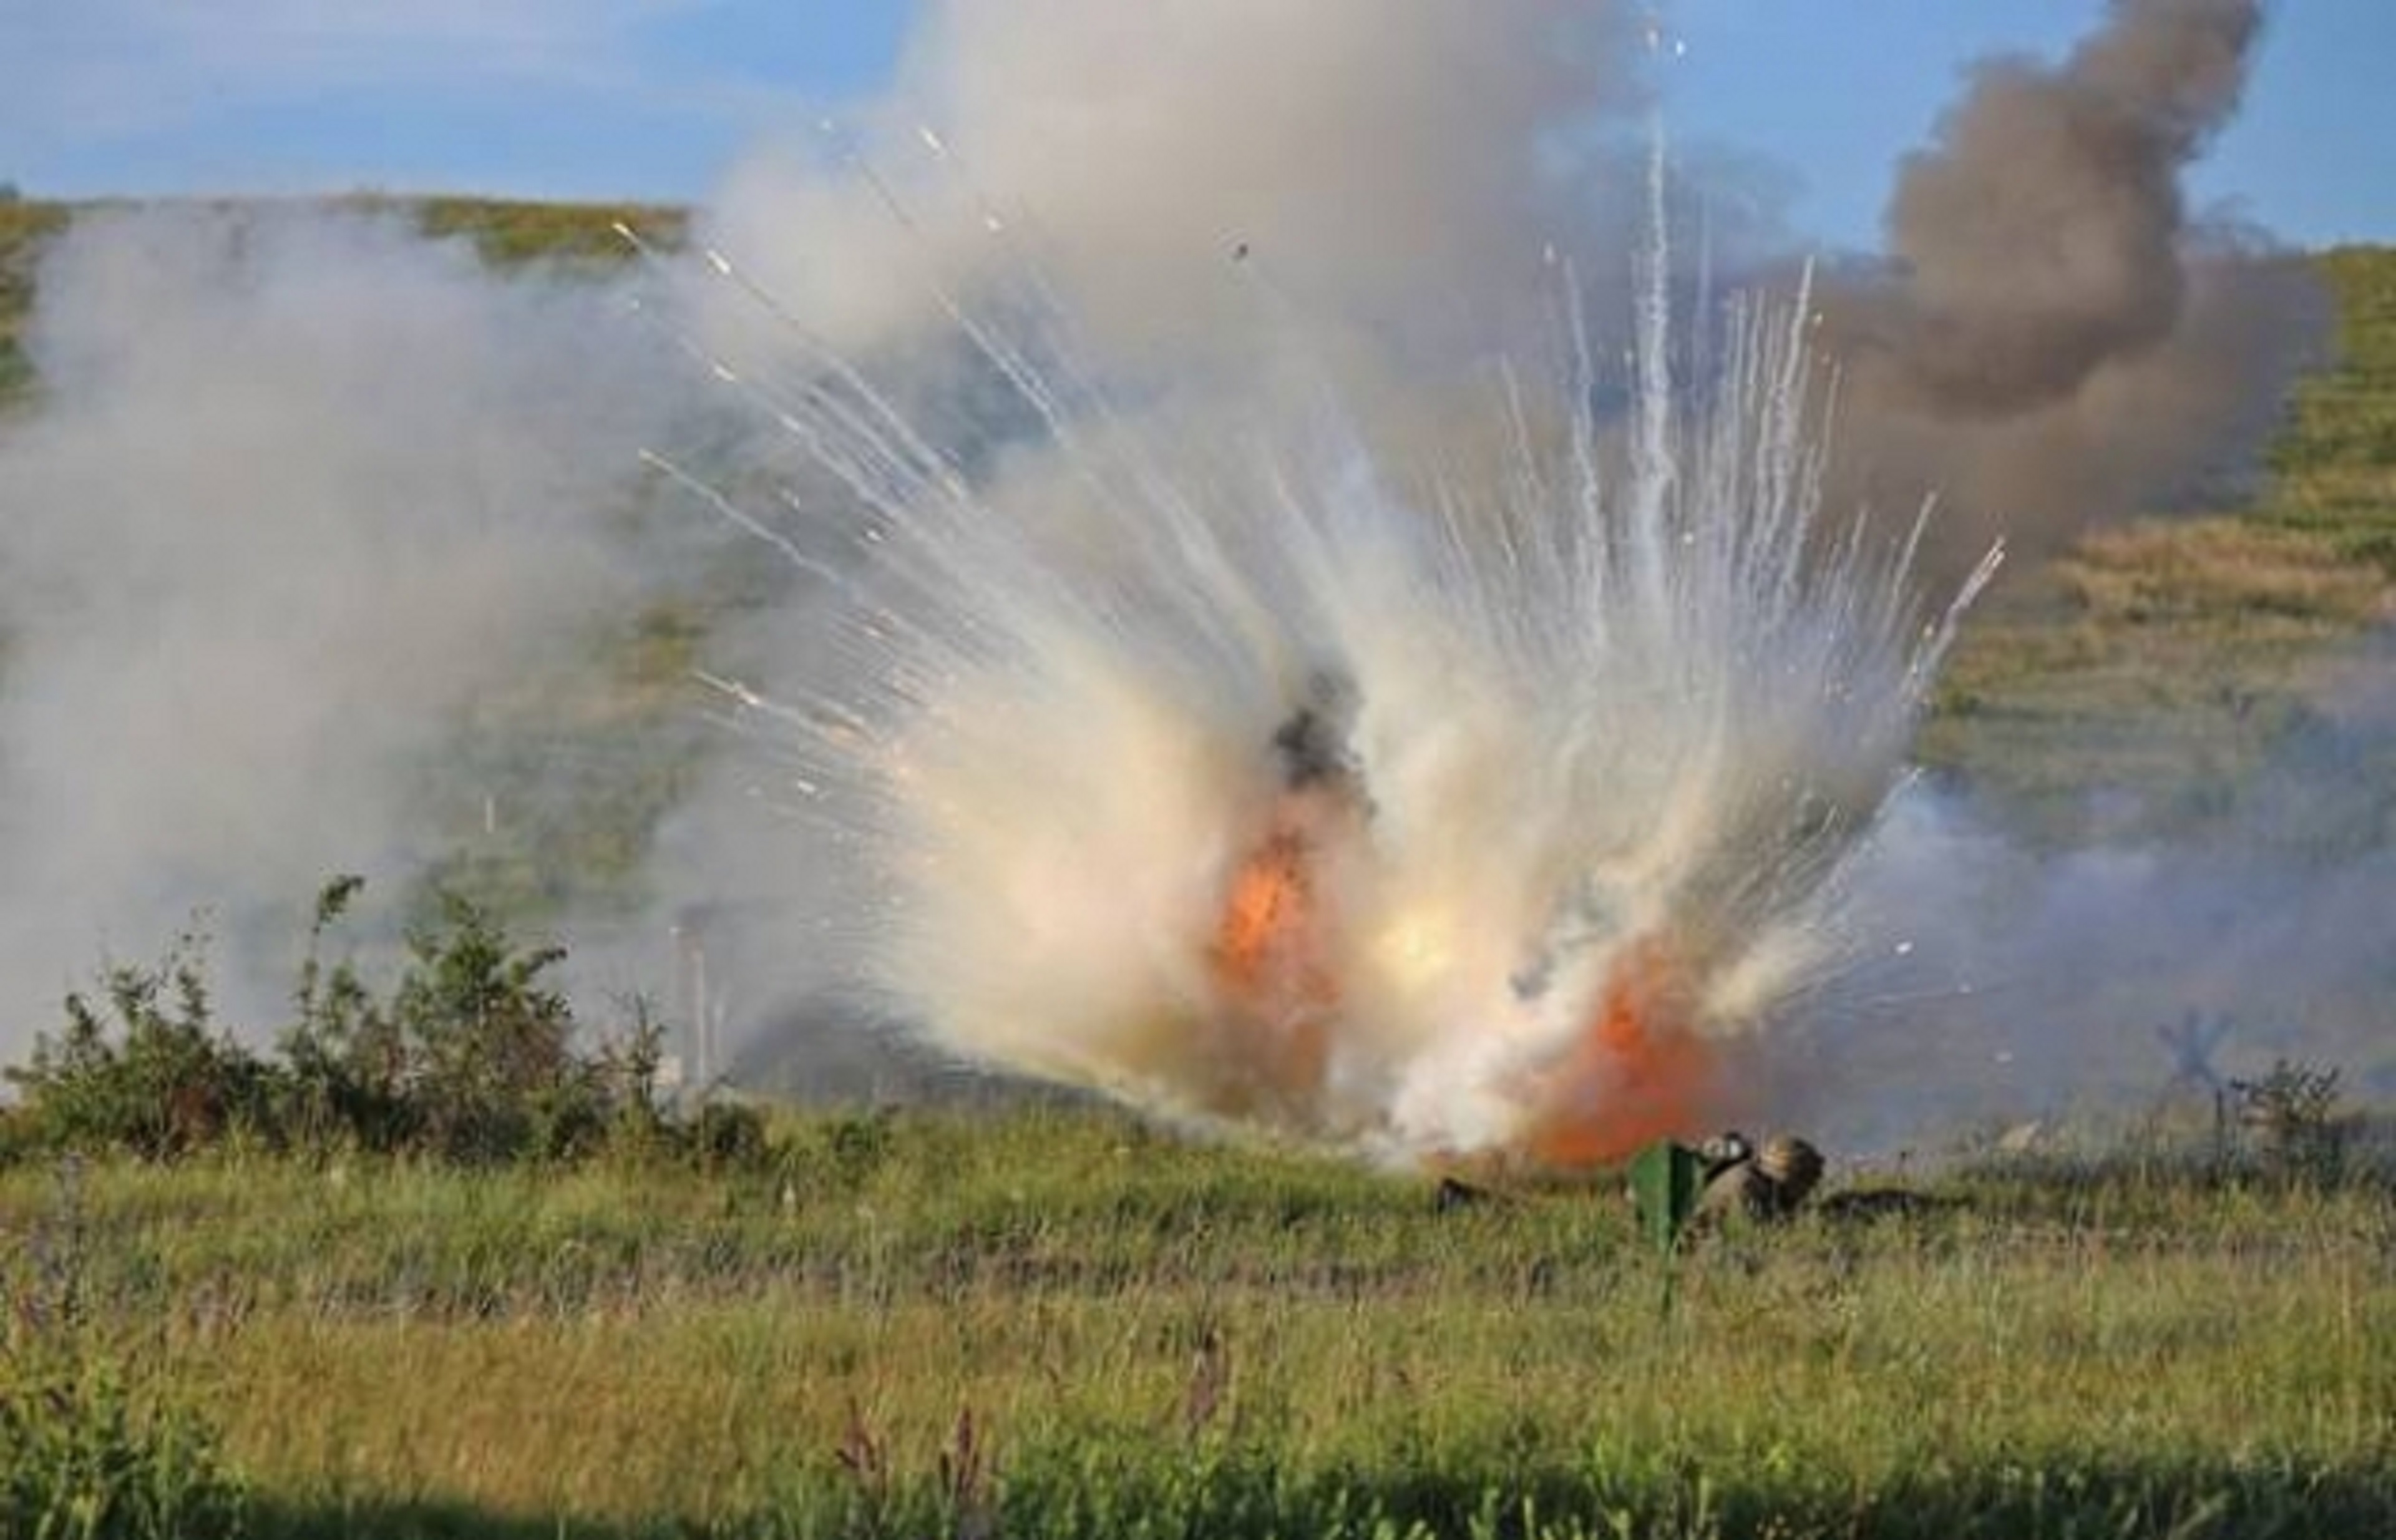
x=729, y=1137
x=489, y=1068
x=2292, y=1113
x=142, y=1069
x=472, y=1058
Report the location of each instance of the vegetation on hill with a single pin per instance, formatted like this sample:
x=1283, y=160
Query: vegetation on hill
x=510, y=233
x=25, y=227
x=472, y=1055
x=2135, y=685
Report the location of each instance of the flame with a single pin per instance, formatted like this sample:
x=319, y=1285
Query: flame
x=1638, y=1071
x=1269, y=957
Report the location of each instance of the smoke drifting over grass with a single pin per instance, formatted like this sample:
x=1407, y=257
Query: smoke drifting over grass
x=299, y=493
x=2038, y=983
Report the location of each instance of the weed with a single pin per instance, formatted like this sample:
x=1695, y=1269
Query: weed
x=2292, y=1114
x=83, y=1455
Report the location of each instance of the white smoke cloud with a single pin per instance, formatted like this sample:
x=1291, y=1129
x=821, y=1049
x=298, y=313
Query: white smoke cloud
x=299, y=492
x=1394, y=169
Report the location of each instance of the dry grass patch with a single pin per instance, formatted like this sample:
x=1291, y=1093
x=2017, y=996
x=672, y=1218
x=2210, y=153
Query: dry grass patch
x=2224, y=575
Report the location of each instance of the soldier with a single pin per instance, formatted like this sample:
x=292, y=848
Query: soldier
x=1766, y=1185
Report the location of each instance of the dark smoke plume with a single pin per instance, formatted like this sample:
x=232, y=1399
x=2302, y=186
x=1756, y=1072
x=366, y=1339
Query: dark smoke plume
x=2041, y=238
x=2055, y=340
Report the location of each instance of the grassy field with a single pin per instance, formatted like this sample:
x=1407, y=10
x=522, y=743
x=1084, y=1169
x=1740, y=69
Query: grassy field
x=1053, y=1322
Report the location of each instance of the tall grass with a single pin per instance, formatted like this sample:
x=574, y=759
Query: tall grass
x=1148, y=1335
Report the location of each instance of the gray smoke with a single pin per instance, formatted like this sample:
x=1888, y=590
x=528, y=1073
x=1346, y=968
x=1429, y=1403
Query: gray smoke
x=2053, y=340
x=2040, y=984
x=2041, y=237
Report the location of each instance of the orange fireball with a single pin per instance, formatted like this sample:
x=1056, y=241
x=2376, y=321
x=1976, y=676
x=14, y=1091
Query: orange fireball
x=1638, y=1072
x=1272, y=957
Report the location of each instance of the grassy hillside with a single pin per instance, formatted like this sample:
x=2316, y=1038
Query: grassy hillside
x=507, y=233
x=2136, y=685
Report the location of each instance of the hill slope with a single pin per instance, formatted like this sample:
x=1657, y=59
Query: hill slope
x=2135, y=685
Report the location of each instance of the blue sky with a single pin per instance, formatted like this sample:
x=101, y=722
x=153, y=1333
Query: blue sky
x=653, y=98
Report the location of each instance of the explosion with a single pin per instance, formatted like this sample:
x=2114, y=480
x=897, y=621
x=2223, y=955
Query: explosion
x=1426, y=817
x=1220, y=685
x=1636, y=1071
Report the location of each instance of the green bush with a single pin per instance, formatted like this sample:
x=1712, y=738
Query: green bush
x=729, y=1137
x=472, y=1057
x=142, y=1069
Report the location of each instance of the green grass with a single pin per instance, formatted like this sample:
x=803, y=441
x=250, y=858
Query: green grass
x=2171, y=659
x=1157, y=1337
x=510, y=233
x=2336, y=462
